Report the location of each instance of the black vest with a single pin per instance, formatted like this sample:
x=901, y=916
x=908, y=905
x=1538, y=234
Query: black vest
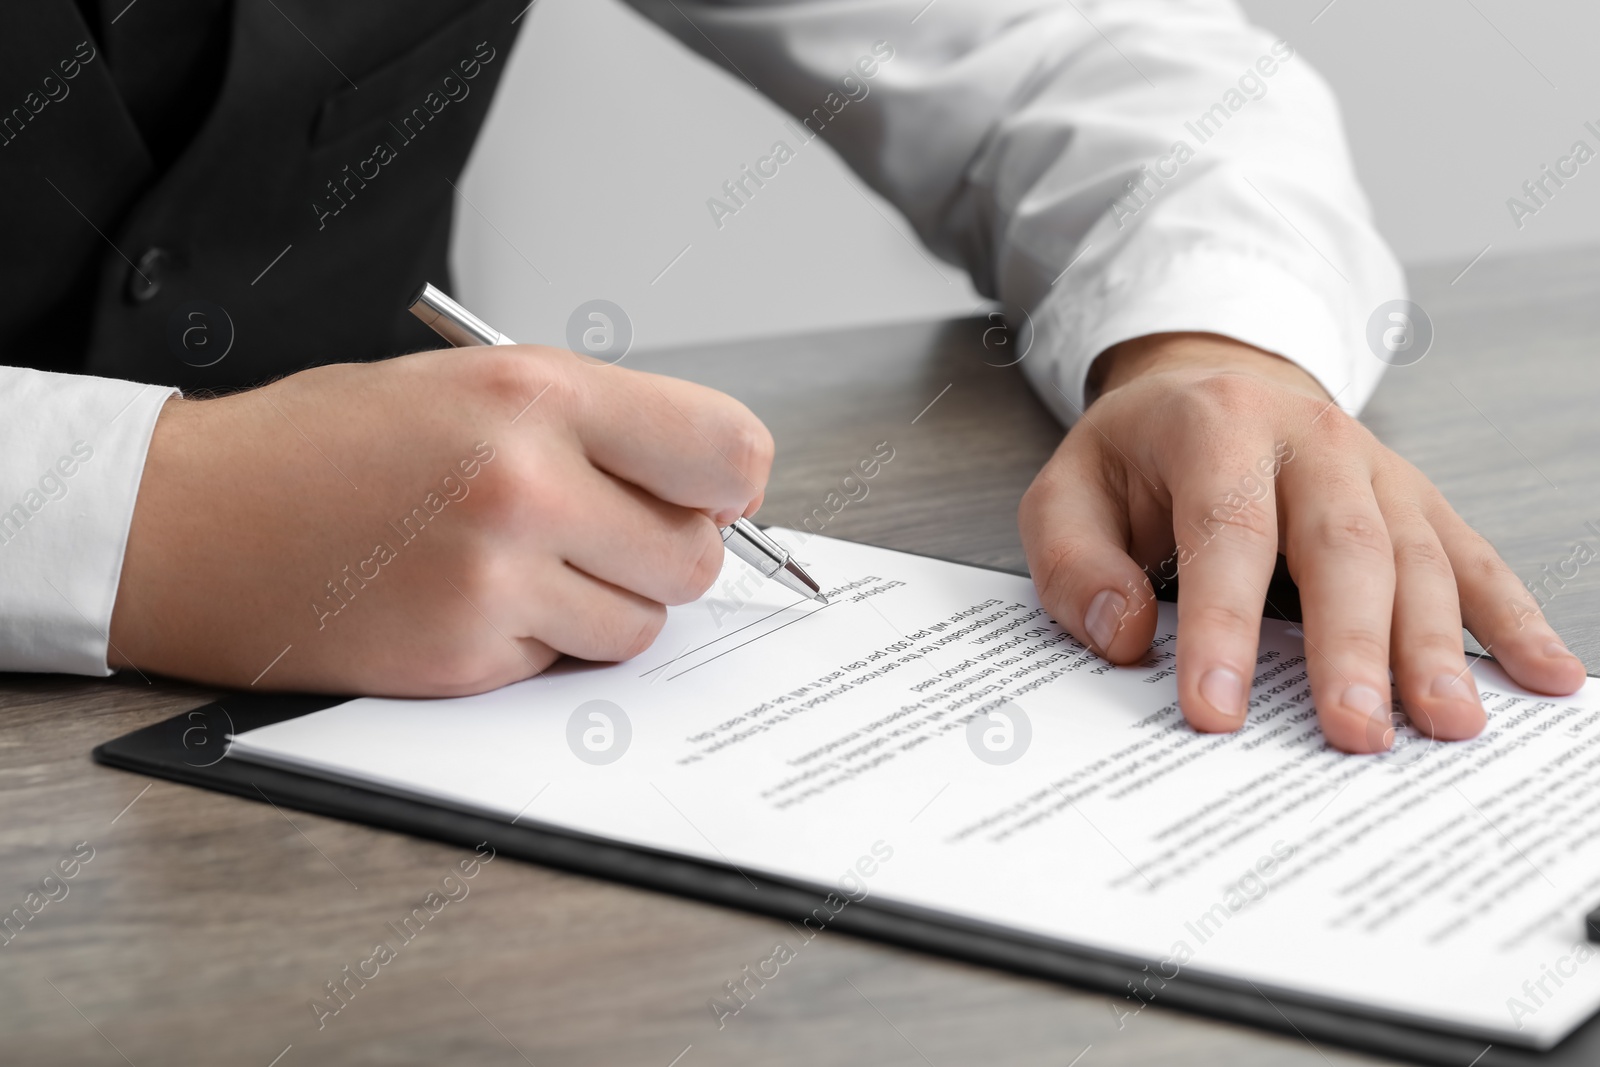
x=315, y=198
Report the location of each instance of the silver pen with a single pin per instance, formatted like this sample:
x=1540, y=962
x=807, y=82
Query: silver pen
x=743, y=538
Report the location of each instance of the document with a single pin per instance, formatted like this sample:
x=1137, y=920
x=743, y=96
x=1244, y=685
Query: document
x=930, y=737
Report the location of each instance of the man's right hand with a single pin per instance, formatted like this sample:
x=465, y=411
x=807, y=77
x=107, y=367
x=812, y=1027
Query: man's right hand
x=437, y=524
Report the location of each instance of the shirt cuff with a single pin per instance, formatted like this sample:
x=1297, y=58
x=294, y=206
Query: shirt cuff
x=72, y=451
x=1218, y=291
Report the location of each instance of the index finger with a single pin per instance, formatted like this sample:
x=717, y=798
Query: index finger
x=683, y=443
x=1224, y=517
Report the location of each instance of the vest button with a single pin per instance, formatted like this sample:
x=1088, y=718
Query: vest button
x=144, y=281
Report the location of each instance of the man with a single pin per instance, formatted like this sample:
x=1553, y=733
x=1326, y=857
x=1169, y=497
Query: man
x=1164, y=189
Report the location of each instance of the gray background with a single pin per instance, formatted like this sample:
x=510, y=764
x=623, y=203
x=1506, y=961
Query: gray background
x=608, y=137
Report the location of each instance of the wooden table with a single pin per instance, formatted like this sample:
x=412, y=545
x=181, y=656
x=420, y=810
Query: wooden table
x=204, y=924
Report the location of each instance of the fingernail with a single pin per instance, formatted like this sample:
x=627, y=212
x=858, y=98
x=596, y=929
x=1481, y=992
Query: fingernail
x=1224, y=691
x=1365, y=700
x=1453, y=687
x=1104, y=617
x=1557, y=650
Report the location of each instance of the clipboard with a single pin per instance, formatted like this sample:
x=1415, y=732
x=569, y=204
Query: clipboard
x=188, y=748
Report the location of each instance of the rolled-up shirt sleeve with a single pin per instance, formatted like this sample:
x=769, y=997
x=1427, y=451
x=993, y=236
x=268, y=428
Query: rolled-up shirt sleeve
x=72, y=452
x=1106, y=170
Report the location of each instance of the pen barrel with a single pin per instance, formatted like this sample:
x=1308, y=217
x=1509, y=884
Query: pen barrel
x=745, y=540
x=453, y=322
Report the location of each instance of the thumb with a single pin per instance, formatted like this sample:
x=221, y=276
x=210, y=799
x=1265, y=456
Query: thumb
x=1075, y=533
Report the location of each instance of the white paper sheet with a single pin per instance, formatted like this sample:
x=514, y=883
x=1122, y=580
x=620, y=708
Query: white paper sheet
x=875, y=745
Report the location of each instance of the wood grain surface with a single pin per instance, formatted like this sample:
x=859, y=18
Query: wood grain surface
x=203, y=924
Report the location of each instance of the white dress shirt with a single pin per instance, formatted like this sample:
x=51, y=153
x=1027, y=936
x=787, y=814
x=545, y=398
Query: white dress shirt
x=71, y=452
x=1105, y=169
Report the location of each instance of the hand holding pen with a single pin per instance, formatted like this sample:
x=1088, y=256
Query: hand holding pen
x=743, y=538
x=417, y=527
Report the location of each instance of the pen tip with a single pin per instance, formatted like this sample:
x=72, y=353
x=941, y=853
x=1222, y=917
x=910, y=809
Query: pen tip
x=794, y=576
